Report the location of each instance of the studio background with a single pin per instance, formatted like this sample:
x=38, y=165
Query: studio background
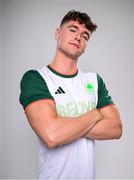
x=27, y=41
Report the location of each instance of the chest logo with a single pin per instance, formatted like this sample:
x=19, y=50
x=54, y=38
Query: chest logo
x=60, y=91
x=90, y=88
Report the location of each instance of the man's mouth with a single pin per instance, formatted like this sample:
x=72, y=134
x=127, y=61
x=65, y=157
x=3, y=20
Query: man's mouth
x=76, y=45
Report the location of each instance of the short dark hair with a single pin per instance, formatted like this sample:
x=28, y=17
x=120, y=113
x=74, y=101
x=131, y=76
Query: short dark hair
x=81, y=17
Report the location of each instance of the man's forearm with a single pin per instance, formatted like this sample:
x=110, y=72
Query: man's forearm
x=104, y=130
x=56, y=130
x=109, y=127
x=65, y=129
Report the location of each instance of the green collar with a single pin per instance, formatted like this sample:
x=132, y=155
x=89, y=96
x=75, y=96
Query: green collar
x=62, y=75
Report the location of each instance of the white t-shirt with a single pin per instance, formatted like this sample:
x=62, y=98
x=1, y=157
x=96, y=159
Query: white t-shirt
x=74, y=95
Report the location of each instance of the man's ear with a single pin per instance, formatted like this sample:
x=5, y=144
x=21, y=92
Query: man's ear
x=57, y=33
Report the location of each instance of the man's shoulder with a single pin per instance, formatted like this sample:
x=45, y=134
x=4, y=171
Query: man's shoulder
x=32, y=76
x=34, y=73
x=91, y=74
x=87, y=73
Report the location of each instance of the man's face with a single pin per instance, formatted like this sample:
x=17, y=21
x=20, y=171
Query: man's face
x=72, y=39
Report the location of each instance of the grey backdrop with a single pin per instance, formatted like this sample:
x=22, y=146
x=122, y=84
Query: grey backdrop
x=0, y=92
x=27, y=42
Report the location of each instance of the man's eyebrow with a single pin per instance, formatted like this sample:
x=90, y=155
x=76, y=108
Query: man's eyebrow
x=73, y=26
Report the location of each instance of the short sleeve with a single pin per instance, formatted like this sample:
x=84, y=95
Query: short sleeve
x=33, y=87
x=103, y=96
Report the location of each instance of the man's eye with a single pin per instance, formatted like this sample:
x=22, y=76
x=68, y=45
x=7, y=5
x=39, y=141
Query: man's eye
x=72, y=30
x=85, y=37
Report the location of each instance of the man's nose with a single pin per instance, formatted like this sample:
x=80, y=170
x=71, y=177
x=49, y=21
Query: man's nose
x=78, y=36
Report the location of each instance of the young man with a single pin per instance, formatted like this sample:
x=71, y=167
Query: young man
x=67, y=108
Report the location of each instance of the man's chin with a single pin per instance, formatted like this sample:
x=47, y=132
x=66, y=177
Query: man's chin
x=74, y=56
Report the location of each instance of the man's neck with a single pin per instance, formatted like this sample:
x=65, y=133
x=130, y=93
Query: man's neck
x=64, y=65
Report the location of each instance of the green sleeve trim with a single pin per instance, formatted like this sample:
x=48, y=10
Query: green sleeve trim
x=103, y=96
x=33, y=87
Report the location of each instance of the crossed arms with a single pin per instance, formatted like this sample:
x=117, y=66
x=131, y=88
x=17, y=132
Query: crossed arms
x=55, y=130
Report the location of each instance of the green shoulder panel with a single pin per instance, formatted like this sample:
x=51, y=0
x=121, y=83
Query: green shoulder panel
x=33, y=87
x=103, y=96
